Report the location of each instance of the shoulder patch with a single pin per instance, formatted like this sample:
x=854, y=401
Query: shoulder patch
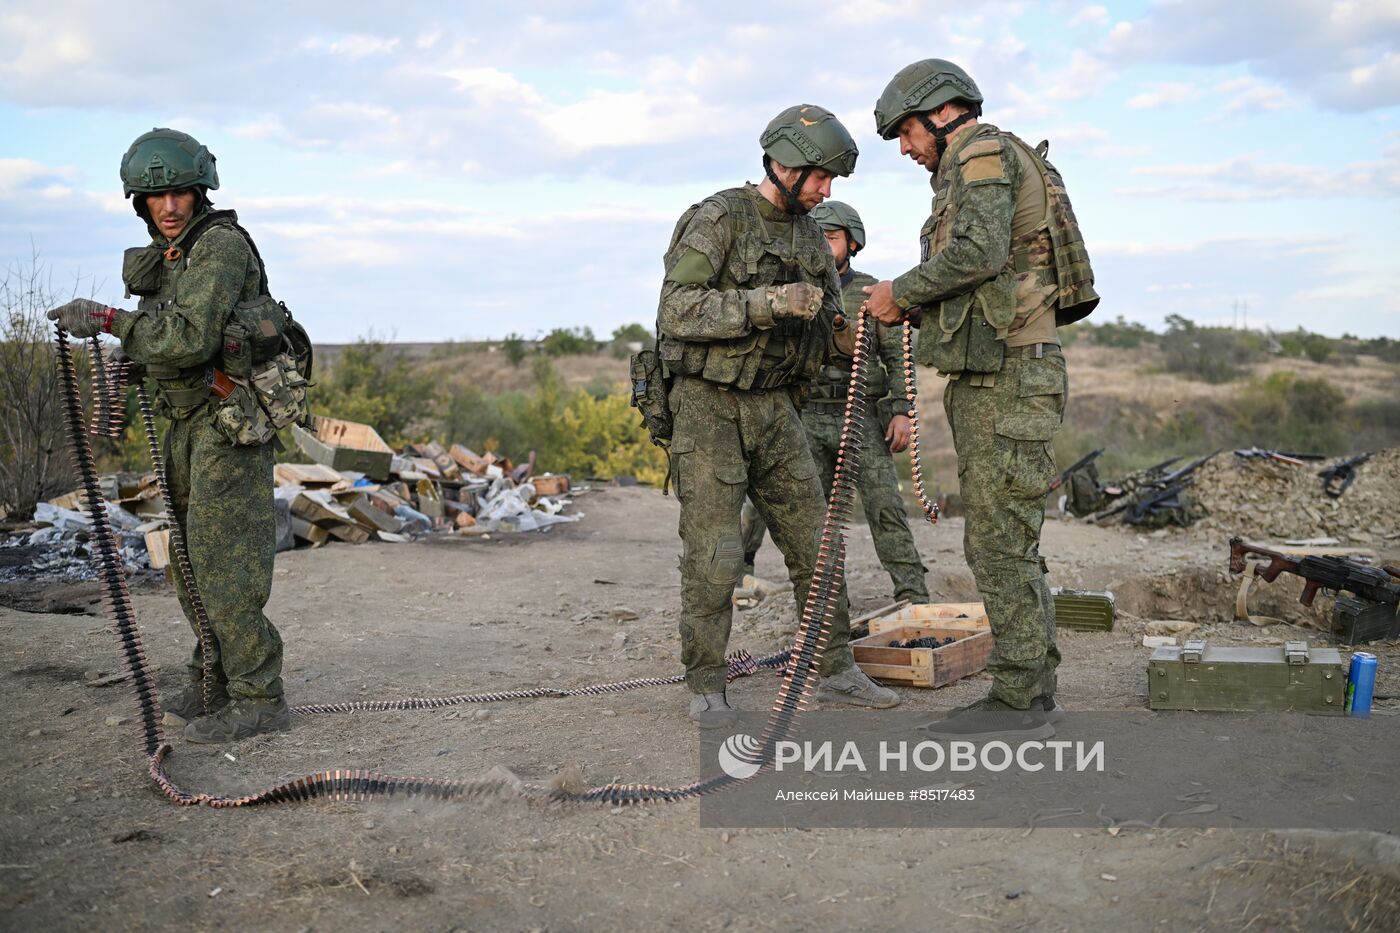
x=983, y=168
x=981, y=147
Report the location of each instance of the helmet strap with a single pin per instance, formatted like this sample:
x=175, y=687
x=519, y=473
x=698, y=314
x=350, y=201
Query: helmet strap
x=794, y=206
x=941, y=133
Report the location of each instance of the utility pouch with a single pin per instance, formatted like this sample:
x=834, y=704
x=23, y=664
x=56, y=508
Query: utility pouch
x=241, y=420
x=649, y=392
x=141, y=270
x=280, y=390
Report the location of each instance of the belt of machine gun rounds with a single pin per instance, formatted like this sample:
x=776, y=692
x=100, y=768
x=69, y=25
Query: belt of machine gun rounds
x=798, y=664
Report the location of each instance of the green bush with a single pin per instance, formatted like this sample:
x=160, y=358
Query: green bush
x=1212, y=354
x=375, y=383
x=1302, y=344
x=514, y=346
x=1120, y=333
x=1288, y=413
x=569, y=342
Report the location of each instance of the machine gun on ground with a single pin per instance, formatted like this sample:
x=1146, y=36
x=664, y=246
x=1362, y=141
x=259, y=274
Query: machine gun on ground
x=1337, y=477
x=1368, y=598
x=1159, y=500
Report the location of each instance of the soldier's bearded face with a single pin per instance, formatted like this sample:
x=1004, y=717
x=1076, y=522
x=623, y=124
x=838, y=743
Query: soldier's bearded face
x=918, y=143
x=171, y=210
x=816, y=189
x=838, y=244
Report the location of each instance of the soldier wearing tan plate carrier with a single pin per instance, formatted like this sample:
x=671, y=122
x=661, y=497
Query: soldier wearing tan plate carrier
x=1002, y=265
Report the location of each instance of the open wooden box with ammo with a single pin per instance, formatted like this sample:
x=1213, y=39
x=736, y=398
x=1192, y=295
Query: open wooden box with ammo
x=927, y=645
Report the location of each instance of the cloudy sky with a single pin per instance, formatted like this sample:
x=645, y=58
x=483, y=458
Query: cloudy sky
x=432, y=171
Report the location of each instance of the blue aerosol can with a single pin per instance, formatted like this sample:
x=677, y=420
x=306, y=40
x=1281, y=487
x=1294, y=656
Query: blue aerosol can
x=1361, y=684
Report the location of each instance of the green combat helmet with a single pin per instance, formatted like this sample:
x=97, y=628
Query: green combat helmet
x=164, y=160
x=920, y=88
x=806, y=137
x=838, y=215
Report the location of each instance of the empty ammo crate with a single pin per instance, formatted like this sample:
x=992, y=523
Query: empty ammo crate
x=346, y=445
x=1085, y=610
x=1293, y=676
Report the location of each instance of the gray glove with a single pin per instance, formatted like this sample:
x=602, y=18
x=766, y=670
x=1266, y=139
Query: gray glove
x=796, y=299
x=83, y=317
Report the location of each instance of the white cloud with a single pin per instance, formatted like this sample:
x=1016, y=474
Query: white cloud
x=1250, y=178
x=353, y=47
x=1341, y=55
x=1163, y=93
x=1093, y=15
x=1250, y=95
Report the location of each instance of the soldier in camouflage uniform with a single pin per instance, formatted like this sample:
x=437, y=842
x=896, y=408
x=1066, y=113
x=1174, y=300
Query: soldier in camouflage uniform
x=823, y=414
x=745, y=321
x=190, y=279
x=1003, y=264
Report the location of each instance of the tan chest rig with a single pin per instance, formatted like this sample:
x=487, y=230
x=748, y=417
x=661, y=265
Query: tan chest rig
x=968, y=330
x=258, y=380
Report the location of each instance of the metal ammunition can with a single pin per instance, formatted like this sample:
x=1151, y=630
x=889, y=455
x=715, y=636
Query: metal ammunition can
x=1361, y=684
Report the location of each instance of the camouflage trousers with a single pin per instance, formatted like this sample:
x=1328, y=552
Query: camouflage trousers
x=728, y=444
x=1002, y=434
x=223, y=500
x=878, y=485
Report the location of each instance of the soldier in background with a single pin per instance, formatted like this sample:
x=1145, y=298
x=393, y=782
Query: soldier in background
x=201, y=284
x=745, y=322
x=886, y=418
x=1002, y=266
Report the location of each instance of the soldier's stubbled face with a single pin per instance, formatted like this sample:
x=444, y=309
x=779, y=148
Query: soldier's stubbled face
x=839, y=245
x=815, y=190
x=916, y=142
x=171, y=210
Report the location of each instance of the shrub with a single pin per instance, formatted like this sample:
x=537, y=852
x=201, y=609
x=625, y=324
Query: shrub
x=1302, y=344
x=1120, y=333
x=569, y=342
x=375, y=383
x=1212, y=354
x=1289, y=413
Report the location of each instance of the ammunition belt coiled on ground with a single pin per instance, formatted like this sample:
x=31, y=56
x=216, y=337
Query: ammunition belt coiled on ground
x=798, y=664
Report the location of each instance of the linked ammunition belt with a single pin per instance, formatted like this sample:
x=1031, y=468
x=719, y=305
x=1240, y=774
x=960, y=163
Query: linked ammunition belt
x=798, y=664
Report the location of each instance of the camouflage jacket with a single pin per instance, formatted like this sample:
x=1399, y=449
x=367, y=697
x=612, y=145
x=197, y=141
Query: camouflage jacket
x=714, y=319
x=885, y=384
x=987, y=256
x=178, y=330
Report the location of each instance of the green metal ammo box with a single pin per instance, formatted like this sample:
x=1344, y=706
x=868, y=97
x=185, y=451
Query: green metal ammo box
x=1288, y=677
x=1356, y=621
x=1086, y=610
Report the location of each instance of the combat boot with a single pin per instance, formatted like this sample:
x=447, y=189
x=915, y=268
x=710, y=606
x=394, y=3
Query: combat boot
x=1054, y=711
x=239, y=720
x=712, y=710
x=188, y=704
x=990, y=718
x=854, y=688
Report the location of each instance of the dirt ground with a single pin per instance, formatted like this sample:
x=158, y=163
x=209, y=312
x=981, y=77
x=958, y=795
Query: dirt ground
x=85, y=842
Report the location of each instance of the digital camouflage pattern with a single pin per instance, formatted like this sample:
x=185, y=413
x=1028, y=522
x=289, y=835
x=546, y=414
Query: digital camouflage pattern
x=1002, y=434
x=877, y=482
x=988, y=287
x=222, y=491
x=223, y=499
x=736, y=430
x=729, y=444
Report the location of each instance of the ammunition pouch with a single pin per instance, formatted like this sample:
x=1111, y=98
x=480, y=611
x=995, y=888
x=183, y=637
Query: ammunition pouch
x=252, y=335
x=241, y=419
x=141, y=270
x=649, y=396
x=966, y=339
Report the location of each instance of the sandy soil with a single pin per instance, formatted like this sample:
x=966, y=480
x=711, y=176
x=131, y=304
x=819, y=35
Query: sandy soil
x=86, y=843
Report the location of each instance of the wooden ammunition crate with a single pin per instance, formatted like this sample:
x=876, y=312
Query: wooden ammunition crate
x=924, y=667
x=970, y=617
x=346, y=445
